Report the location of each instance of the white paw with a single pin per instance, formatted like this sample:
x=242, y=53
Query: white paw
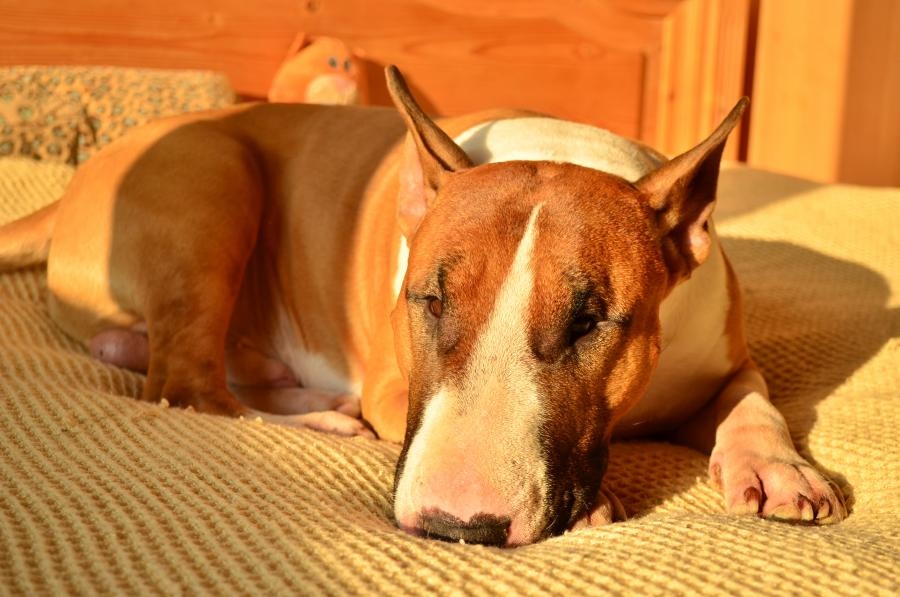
x=328, y=421
x=786, y=488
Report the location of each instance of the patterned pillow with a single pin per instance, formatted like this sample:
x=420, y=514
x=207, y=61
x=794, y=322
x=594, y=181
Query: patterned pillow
x=43, y=130
x=66, y=114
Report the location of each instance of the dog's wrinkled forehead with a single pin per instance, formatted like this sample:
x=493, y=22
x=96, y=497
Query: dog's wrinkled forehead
x=592, y=230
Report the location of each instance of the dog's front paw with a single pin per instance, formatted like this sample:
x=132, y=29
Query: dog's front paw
x=607, y=509
x=783, y=488
x=327, y=421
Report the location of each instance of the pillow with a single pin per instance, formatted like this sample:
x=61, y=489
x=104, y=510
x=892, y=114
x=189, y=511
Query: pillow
x=33, y=125
x=66, y=114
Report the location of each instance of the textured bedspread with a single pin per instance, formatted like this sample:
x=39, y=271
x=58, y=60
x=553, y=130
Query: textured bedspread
x=99, y=493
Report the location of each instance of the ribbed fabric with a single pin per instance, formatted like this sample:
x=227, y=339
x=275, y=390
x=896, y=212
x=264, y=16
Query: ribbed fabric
x=100, y=493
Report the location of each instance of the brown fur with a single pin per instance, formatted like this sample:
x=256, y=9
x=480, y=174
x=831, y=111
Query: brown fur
x=239, y=241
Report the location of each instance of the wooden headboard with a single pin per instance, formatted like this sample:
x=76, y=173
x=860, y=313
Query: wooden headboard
x=664, y=71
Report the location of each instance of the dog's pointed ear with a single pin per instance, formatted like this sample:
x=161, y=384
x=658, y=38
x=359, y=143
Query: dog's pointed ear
x=682, y=193
x=437, y=155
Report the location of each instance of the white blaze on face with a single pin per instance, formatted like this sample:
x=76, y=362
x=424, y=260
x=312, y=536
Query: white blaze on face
x=477, y=449
x=400, y=271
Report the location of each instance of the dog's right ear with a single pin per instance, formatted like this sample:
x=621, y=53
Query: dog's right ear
x=435, y=155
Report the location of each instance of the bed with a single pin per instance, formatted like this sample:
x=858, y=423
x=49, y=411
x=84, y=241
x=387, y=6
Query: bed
x=102, y=493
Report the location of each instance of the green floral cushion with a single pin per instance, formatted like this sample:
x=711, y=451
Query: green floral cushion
x=66, y=114
x=50, y=130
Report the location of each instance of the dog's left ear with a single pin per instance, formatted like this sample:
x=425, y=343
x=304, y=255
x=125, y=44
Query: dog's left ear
x=438, y=155
x=682, y=193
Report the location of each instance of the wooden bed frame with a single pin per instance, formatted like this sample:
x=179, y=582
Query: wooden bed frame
x=663, y=71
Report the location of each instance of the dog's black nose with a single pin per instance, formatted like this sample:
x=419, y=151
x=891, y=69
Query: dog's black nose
x=485, y=529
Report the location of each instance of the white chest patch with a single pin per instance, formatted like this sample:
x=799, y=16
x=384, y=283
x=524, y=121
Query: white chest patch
x=311, y=369
x=314, y=371
x=695, y=346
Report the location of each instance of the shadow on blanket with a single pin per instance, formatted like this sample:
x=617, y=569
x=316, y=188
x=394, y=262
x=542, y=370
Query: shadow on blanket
x=812, y=321
x=806, y=347
x=836, y=319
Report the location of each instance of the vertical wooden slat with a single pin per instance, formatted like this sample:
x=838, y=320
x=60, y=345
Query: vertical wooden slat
x=703, y=53
x=799, y=87
x=732, y=32
x=870, y=130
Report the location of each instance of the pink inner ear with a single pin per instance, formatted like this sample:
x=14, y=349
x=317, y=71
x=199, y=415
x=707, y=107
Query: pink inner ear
x=698, y=235
x=411, y=200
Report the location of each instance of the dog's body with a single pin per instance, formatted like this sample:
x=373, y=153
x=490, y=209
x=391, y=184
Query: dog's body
x=267, y=245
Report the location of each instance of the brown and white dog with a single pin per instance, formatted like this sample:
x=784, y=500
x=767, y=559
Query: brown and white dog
x=505, y=303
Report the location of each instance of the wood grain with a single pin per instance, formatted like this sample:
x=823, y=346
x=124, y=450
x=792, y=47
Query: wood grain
x=798, y=98
x=245, y=40
x=827, y=90
x=870, y=132
x=468, y=61
x=704, y=53
x=658, y=70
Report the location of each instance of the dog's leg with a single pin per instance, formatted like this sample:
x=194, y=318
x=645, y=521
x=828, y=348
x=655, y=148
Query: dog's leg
x=187, y=348
x=186, y=224
x=753, y=460
x=264, y=385
x=183, y=354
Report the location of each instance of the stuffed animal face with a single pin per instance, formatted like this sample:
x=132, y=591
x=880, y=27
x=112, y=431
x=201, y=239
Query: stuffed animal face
x=324, y=71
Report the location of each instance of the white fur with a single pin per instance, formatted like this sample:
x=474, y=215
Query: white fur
x=312, y=370
x=493, y=416
x=694, y=359
x=436, y=413
x=400, y=268
x=549, y=139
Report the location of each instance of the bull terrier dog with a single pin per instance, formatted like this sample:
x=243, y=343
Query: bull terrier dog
x=505, y=293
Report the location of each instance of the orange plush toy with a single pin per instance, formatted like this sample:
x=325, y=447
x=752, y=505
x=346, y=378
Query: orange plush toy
x=321, y=70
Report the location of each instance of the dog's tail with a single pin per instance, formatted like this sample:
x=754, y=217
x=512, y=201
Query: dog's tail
x=26, y=241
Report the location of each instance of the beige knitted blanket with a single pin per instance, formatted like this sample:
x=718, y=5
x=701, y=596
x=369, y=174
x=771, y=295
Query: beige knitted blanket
x=103, y=494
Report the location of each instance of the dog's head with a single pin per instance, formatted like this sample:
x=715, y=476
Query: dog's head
x=528, y=324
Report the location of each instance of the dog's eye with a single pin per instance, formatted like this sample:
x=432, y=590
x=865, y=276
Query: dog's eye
x=347, y=65
x=581, y=327
x=435, y=306
x=332, y=62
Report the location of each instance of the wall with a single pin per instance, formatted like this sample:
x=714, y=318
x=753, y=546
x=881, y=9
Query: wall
x=826, y=90
x=824, y=74
x=664, y=71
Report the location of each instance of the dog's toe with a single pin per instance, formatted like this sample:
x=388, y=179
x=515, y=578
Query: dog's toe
x=798, y=492
x=607, y=509
x=778, y=489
